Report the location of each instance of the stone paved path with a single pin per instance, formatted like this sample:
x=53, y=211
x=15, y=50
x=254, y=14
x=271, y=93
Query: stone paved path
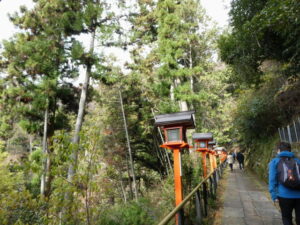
x=246, y=201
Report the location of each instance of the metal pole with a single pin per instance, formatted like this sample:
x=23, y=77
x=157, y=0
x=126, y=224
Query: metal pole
x=279, y=134
x=298, y=129
x=129, y=148
x=283, y=130
x=289, y=133
x=297, y=138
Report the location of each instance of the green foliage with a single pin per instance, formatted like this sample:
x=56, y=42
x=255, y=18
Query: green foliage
x=260, y=154
x=263, y=51
x=17, y=204
x=257, y=115
x=214, y=105
x=2, y=146
x=5, y=126
x=35, y=160
x=155, y=205
x=182, y=49
x=240, y=53
x=262, y=30
x=179, y=42
x=171, y=65
x=132, y=213
x=191, y=171
x=36, y=62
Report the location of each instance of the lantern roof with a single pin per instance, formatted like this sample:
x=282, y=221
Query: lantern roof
x=203, y=136
x=185, y=118
x=213, y=142
x=220, y=149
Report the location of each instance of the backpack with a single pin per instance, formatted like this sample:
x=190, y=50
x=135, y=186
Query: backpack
x=288, y=173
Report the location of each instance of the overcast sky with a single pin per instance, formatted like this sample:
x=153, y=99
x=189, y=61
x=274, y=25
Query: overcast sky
x=9, y=6
x=216, y=9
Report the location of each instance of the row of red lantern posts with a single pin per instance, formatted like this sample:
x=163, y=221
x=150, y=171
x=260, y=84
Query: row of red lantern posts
x=174, y=126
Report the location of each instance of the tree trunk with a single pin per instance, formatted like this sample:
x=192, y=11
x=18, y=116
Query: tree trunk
x=30, y=139
x=45, y=150
x=129, y=150
x=122, y=186
x=129, y=178
x=80, y=115
x=172, y=96
x=87, y=193
x=49, y=176
x=191, y=67
x=192, y=82
x=182, y=104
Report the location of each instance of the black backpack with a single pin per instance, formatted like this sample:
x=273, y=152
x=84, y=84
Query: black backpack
x=288, y=173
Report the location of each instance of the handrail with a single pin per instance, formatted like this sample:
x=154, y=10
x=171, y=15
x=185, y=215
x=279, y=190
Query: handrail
x=186, y=199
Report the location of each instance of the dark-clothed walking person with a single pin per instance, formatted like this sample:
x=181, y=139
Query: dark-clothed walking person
x=240, y=158
x=284, y=181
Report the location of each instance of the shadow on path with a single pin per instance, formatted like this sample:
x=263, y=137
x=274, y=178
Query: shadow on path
x=246, y=201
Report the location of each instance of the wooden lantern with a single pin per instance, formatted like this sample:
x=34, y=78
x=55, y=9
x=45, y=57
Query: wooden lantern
x=175, y=125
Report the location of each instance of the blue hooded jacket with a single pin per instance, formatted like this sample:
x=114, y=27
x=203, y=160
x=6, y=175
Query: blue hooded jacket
x=275, y=188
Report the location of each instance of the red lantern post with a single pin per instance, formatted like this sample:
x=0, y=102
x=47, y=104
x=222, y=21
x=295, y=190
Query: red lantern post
x=213, y=159
x=201, y=144
x=174, y=126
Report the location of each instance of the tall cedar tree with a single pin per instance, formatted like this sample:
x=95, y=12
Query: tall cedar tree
x=182, y=49
x=37, y=61
x=172, y=54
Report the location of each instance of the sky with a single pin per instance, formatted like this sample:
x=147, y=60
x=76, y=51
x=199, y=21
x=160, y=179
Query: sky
x=9, y=6
x=217, y=10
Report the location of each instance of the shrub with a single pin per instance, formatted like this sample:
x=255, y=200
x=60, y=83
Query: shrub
x=132, y=213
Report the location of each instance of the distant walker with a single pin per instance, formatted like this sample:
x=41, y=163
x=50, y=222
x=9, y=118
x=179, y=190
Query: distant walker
x=230, y=161
x=240, y=158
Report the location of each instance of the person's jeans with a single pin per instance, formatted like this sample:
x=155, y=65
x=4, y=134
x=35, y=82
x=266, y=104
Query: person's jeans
x=241, y=164
x=287, y=205
x=231, y=166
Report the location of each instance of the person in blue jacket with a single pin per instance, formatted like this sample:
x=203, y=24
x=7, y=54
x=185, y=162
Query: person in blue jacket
x=289, y=199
